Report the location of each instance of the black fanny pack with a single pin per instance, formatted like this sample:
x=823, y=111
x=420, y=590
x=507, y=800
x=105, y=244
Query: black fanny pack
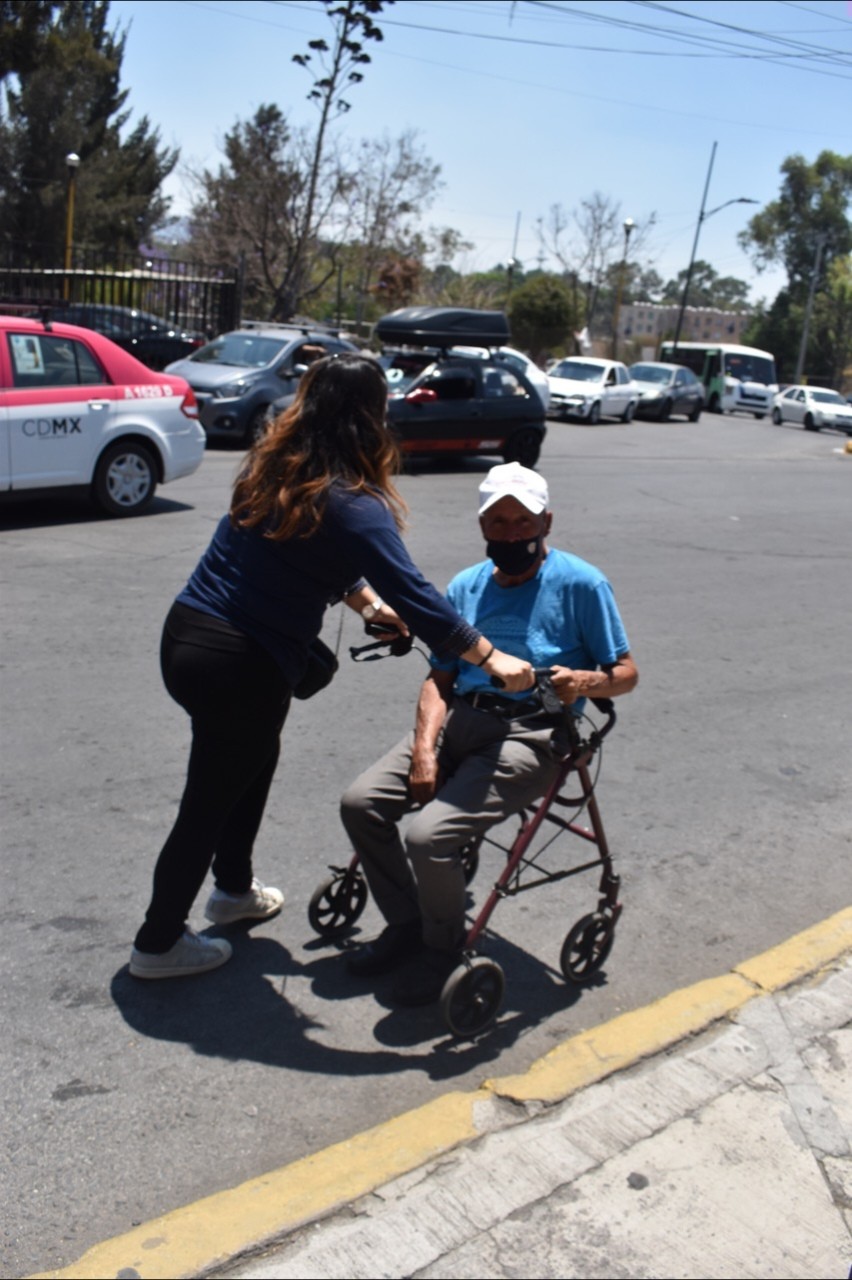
x=322, y=664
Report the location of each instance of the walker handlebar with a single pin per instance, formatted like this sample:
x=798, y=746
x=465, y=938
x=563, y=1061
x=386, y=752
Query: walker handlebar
x=553, y=705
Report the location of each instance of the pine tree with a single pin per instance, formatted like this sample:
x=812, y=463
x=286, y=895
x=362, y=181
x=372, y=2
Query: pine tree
x=62, y=94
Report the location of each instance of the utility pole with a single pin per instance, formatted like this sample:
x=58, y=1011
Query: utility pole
x=702, y=218
x=629, y=224
x=513, y=261
x=803, y=346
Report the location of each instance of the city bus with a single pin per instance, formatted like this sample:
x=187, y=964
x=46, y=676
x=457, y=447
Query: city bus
x=736, y=379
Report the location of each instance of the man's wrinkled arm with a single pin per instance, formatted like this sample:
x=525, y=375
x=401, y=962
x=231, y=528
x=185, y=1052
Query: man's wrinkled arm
x=432, y=707
x=612, y=680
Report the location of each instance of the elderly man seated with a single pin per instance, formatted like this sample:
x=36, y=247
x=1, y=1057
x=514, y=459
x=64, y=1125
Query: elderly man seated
x=476, y=755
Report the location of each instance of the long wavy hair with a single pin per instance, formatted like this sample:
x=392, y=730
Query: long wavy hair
x=334, y=430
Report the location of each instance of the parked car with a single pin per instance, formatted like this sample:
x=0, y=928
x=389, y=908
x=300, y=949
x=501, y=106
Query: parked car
x=454, y=405
x=469, y=405
x=76, y=410
x=588, y=388
x=154, y=341
x=467, y=399
x=237, y=376
x=519, y=362
x=402, y=367
x=665, y=389
x=813, y=407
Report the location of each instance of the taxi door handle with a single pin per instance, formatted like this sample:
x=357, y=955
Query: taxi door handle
x=98, y=404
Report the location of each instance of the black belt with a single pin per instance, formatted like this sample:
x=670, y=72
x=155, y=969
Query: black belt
x=506, y=708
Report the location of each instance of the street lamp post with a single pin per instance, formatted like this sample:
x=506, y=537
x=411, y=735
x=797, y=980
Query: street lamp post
x=702, y=218
x=628, y=224
x=72, y=162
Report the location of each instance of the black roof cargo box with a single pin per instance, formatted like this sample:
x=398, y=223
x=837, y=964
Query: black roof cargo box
x=443, y=327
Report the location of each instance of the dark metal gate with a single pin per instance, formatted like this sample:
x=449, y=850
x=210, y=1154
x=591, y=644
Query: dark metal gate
x=189, y=295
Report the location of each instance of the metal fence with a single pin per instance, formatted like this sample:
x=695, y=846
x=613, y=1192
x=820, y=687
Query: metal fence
x=189, y=295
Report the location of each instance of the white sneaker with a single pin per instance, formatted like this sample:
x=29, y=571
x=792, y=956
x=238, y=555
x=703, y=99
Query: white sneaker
x=258, y=904
x=190, y=954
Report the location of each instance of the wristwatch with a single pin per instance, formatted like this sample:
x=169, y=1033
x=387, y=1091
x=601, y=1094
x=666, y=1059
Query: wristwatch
x=369, y=611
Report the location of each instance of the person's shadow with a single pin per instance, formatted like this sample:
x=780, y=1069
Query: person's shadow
x=242, y=1011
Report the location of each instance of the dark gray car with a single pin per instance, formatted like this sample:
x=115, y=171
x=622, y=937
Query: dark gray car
x=665, y=389
x=237, y=376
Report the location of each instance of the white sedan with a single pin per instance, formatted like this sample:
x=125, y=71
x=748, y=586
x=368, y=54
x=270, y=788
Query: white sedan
x=590, y=389
x=813, y=407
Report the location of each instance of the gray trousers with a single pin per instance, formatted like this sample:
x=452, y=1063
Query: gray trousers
x=490, y=769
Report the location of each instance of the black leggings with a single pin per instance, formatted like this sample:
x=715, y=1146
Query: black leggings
x=238, y=700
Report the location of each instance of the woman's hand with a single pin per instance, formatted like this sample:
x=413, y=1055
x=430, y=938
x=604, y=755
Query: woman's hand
x=389, y=620
x=515, y=673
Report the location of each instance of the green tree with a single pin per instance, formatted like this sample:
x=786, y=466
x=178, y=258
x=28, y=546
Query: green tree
x=590, y=244
x=833, y=327
x=812, y=208
x=336, y=68
x=708, y=289
x=23, y=26
x=807, y=229
x=252, y=213
x=777, y=328
x=542, y=314
x=284, y=203
x=247, y=213
x=64, y=96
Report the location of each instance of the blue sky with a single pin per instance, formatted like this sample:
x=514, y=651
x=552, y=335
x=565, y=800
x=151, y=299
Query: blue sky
x=528, y=104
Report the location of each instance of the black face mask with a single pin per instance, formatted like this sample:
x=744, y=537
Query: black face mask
x=514, y=558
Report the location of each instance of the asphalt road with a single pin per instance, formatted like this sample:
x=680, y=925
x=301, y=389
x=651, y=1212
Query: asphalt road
x=724, y=791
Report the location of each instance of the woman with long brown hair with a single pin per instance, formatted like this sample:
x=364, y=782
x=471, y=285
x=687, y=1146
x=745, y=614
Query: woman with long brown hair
x=315, y=518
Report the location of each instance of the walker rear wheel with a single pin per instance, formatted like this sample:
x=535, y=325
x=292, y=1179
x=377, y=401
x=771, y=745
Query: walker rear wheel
x=585, y=948
x=337, y=903
x=472, y=995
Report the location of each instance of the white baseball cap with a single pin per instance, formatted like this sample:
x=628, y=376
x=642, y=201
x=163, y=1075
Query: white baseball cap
x=511, y=480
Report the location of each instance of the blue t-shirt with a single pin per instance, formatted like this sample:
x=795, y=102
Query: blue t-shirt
x=565, y=616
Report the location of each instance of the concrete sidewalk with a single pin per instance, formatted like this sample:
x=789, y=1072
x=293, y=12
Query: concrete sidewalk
x=706, y=1135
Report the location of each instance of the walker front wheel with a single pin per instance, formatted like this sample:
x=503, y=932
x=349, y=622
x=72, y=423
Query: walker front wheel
x=472, y=995
x=586, y=948
x=337, y=903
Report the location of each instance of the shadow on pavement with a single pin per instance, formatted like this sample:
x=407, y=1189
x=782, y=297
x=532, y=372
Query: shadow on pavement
x=242, y=1011
x=18, y=511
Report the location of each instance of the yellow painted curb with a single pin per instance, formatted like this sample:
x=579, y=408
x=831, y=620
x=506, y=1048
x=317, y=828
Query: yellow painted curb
x=213, y=1231
x=613, y=1045
x=803, y=954
x=210, y=1232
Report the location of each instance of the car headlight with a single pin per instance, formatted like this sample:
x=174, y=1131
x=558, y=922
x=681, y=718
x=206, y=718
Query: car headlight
x=232, y=389
x=576, y=398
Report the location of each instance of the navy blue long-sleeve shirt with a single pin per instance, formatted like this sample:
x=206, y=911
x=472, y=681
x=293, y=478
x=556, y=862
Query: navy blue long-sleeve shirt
x=277, y=591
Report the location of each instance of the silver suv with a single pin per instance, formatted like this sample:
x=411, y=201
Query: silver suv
x=237, y=376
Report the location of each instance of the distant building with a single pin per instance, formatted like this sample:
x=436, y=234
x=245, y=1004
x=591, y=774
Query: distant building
x=642, y=326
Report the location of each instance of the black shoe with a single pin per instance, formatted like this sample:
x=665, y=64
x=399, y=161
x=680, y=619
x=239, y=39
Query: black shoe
x=423, y=982
x=395, y=943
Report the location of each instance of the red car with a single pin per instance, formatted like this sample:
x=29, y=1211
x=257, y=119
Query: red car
x=76, y=410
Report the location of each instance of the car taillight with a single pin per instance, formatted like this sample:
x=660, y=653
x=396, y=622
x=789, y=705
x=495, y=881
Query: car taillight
x=189, y=405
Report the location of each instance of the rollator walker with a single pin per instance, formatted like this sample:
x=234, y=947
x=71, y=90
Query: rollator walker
x=473, y=992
